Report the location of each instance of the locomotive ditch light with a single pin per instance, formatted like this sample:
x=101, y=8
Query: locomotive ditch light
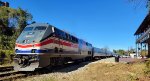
x=16, y=50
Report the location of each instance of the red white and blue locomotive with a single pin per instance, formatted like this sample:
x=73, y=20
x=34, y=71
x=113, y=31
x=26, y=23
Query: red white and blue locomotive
x=43, y=45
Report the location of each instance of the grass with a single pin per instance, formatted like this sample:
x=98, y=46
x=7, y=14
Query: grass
x=99, y=72
x=7, y=64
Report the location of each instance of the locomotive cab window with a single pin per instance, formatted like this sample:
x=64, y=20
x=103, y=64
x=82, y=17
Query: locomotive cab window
x=28, y=29
x=40, y=28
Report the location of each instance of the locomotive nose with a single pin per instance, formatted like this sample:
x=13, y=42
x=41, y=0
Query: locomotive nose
x=26, y=63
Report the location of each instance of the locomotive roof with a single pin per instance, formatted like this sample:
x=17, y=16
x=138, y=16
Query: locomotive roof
x=46, y=24
x=143, y=26
x=38, y=24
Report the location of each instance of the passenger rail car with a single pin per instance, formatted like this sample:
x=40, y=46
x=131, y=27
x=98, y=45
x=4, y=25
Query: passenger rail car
x=101, y=53
x=43, y=45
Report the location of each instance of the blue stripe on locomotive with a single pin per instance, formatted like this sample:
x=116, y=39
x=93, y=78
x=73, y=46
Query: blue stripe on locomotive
x=31, y=51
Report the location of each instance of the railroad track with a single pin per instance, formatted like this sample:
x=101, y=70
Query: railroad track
x=8, y=73
x=6, y=68
x=11, y=75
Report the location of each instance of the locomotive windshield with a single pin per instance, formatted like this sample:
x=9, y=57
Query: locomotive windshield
x=40, y=28
x=28, y=29
x=34, y=33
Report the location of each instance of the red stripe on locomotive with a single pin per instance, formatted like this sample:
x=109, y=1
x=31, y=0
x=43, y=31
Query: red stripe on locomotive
x=49, y=41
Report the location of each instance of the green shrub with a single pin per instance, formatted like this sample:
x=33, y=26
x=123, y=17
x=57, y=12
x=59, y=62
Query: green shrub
x=6, y=56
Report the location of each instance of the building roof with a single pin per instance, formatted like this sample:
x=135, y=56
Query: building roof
x=4, y=4
x=144, y=25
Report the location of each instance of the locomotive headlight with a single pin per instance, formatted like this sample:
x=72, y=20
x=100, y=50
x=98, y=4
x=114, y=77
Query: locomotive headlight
x=33, y=50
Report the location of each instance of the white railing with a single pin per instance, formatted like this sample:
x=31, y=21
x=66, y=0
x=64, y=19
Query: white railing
x=143, y=37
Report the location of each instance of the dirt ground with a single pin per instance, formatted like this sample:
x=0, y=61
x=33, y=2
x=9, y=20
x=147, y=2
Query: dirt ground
x=96, y=71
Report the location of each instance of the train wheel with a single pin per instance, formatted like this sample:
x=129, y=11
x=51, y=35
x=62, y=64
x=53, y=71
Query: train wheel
x=88, y=58
x=78, y=61
x=83, y=60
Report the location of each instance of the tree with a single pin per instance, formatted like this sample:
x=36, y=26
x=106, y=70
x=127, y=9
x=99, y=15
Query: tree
x=105, y=49
x=23, y=17
x=14, y=17
x=120, y=51
x=139, y=3
x=131, y=50
x=115, y=51
x=12, y=22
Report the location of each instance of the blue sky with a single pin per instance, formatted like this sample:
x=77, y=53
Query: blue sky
x=110, y=23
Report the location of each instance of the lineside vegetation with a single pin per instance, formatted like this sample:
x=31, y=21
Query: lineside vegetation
x=12, y=22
